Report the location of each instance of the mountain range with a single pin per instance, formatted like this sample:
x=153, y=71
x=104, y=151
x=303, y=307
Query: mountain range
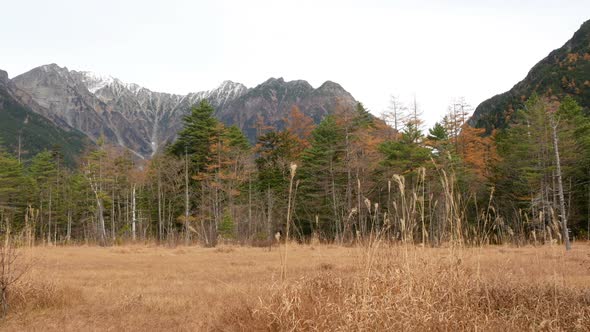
x=51, y=106
x=88, y=105
x=565, y=71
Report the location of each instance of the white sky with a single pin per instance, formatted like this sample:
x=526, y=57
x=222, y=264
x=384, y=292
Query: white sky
x=436, y=50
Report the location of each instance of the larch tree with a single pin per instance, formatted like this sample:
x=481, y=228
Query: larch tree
x=396, y=114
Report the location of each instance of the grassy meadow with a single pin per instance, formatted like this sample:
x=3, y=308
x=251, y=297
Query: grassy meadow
x=145, y=288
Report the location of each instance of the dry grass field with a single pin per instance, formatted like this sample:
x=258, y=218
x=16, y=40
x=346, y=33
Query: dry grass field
x=145, y=288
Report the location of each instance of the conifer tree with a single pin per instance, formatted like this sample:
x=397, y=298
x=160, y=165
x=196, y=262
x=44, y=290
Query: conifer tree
x=12, y=182
x=44, y=171
x=324, y=178
x=196, y=136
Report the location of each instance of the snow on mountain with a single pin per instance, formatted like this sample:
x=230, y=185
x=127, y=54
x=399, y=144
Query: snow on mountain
x=95, y=81
x=144, y=121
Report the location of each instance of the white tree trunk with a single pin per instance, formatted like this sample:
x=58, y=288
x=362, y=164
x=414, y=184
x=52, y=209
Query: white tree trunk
x=133, y=214
x=100, y=214
x=566, y=238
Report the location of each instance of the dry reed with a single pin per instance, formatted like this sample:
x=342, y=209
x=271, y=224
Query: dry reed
x=139, y=288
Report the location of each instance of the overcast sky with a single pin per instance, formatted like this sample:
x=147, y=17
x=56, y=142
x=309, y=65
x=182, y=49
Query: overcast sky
x=436, y=50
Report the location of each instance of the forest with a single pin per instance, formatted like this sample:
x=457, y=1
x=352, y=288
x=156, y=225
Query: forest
x=348, y=179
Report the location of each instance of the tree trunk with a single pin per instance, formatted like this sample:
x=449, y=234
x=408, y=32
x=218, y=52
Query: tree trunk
x=186, y=207
x=113, y=215
x=566, y=237
x=69, y=228
x=49, y=218
x=250, y=207
x=133, y=215
x=100, y=215
x=160, y=213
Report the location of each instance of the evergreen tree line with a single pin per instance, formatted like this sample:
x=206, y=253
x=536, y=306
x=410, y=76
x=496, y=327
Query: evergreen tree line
x=358, y=178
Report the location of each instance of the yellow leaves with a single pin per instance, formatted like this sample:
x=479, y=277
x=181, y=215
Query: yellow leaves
x=568, y=84
x=215, y=185
x=200, y=176
x=182, y=218
x=572, y=57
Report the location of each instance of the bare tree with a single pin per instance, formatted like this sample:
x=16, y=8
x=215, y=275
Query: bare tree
x=396, y=114
x=12, y=268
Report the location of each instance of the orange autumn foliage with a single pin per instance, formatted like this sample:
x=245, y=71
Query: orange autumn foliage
x=300, y=127
x=478, y=151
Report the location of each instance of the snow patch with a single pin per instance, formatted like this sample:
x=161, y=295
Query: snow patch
x=95, y=82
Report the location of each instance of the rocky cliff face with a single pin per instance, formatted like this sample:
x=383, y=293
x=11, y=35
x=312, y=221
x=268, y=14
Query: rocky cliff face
x=25, y=132
x=145, y=121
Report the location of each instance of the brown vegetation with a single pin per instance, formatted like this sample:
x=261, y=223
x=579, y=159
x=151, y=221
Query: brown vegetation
x=328, y=288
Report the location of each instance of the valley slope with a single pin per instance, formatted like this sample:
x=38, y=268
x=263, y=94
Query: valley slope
x=565, y=71
x=27, y=133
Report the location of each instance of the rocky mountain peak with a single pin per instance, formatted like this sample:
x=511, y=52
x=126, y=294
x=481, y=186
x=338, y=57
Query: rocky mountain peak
x=54, y=69
x=3, y=78
x=273, y=81
x=228, y=90
x=331, y=86
x=94, y=81
x=144, y=121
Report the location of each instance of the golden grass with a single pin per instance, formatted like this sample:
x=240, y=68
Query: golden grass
x=146, y=288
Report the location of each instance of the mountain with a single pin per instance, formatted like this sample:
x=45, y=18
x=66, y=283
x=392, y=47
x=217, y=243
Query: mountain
x=565, y=71
x=273, y=99
x=19, y=122
x=145, y=121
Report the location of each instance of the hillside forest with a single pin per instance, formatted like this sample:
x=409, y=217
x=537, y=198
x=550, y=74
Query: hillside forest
x=351, y=177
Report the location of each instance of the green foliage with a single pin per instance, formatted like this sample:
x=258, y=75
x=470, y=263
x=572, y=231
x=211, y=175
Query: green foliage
x=563, y=73
x=323, y=175
x=406, y=155
x=524, y=177
x=43, y=169
x=12, y=181
x=363, y=118
x=196, y=137
x=402, y=157
x=227, y=226
x=236, y=138
x=275, y=153
x=526, y=152
x=36, y=133
x=438, y=133
x=412, y=133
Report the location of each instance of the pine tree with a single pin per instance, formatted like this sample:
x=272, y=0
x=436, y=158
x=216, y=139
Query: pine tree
x=525, y=174
x=196, y=137
x=323, y=178
x=227, y=226
x=438, y=133
x=44, y=171
x=12, y=182
x=404, y=157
